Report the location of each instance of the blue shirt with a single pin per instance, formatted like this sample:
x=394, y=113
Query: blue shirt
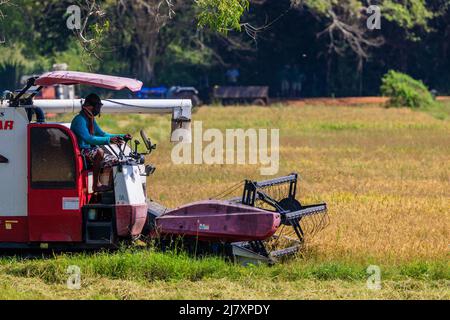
x=80, y=126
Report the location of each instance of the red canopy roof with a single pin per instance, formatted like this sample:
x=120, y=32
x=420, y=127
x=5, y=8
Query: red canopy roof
x=97, y=80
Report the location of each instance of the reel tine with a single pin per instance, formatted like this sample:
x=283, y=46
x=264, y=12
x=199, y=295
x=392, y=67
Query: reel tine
x=312, y=224
x=300, y=223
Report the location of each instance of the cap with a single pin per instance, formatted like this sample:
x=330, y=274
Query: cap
x=92, y=99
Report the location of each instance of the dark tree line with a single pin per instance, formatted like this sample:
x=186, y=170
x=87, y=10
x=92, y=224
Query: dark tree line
x=193, y=43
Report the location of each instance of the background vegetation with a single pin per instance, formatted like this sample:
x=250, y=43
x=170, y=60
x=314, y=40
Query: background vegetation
x=193, y=42
x=405, y=91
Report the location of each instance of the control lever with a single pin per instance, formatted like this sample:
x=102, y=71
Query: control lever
x=136, y=144
x=139, y=157
x=113, y=151
x=149, y=169
x=122, y=149
x=147, y=142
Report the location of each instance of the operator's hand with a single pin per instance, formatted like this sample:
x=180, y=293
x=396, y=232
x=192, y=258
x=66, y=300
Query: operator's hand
x=127, y=137
x=116, y=140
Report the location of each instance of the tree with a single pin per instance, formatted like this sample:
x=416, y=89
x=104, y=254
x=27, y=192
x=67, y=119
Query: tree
x=139, y=22
x=2, y=16
x=346, y=26
x=180, y=41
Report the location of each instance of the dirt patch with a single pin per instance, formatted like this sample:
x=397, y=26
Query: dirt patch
x=345, y=101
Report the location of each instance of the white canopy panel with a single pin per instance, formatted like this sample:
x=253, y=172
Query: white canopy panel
x=180, y=108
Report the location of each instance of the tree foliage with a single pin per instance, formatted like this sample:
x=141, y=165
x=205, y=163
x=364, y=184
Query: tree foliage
x=194, y=41
x=221, y=15
x=407, y=14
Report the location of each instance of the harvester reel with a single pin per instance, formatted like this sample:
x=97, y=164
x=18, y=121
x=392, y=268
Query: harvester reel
x=290, y=204
x=298, y=223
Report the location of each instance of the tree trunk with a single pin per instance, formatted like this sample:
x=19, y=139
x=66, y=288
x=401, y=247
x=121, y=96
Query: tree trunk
x=147, y=18
x=144, y=64
x=329, y=85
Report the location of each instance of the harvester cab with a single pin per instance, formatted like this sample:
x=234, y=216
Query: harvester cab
x=47, y=198
x=46, y=189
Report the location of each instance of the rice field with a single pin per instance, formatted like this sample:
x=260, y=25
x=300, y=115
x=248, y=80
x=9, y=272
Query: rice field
x=384, y=173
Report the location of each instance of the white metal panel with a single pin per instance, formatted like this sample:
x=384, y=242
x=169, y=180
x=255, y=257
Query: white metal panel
x=13, y=175
x=181, y=110
x=178, y=107
x=128, y=185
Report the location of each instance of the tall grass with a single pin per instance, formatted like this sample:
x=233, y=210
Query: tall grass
x=383, y=172
x=147, y=265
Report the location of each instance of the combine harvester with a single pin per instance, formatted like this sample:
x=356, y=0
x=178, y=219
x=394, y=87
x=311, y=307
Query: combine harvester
x=47, y=201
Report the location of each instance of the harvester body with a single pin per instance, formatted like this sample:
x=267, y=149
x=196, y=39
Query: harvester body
x=46, y=189
x=47, y=198
x=46, y=186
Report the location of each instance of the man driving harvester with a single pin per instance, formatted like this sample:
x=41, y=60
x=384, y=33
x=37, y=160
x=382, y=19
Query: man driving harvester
x=90, y=137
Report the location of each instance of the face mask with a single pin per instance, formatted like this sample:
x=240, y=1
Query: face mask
x=96, y=110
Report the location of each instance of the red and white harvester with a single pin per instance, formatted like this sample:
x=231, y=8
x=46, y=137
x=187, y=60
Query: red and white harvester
x=47, y=200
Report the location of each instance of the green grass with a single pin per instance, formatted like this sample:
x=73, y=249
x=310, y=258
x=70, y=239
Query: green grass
x=148, y=265
x=101, y=273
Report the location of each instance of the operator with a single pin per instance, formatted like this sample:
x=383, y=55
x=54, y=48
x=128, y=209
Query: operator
x=90, y=137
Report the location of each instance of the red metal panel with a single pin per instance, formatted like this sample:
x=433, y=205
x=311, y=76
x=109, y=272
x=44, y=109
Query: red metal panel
x=13, y=229
x=48, y=221
x=85, y=183
x=130, y=219
x=219, y=221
